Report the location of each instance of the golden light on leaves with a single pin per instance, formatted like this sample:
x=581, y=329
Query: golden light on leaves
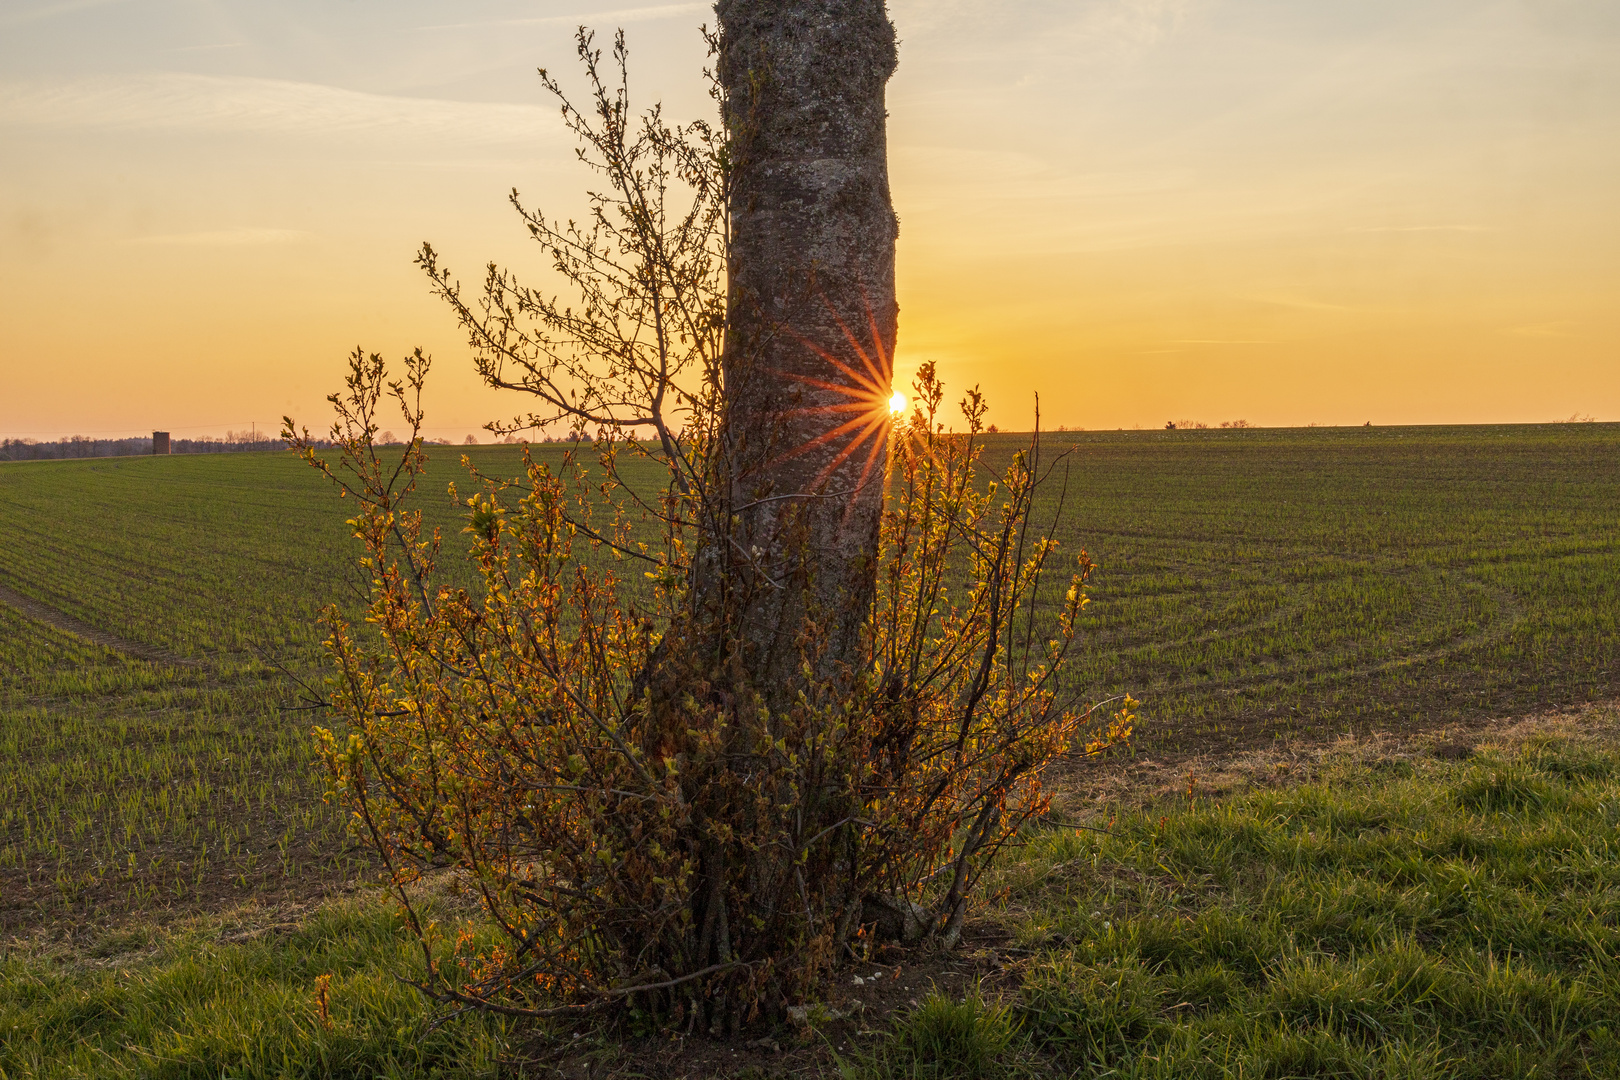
x=474, y=738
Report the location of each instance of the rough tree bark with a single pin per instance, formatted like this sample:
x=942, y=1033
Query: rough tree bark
x=811, y=331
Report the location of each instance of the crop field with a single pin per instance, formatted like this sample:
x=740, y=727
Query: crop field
x=155, y=614
x=1263, y=582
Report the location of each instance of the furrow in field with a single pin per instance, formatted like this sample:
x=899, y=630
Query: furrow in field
x=63, y=621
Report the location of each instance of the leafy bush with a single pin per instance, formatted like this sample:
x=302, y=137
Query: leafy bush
x=581, y=734
x=516, y=732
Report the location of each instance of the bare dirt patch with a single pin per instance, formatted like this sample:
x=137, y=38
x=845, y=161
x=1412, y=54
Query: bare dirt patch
x=1086, y=791
x=858, y=1009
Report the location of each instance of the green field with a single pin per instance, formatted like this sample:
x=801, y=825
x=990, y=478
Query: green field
x=1253, y=584
x=128, y=784
x=1263, y=582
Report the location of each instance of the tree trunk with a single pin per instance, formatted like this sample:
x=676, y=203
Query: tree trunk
x=810, y=339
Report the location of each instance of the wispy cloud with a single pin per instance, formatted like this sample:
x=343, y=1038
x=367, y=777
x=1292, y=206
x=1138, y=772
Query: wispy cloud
x=1415, y=228
x=1042, y=28
x=51, y=11
x=591, y=18
x=223, y=104
x=239, y=237
x=1130, y=24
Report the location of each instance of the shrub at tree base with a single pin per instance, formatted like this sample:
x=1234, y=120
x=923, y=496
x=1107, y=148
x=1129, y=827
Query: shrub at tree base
x=647, y=833
x=693, y=747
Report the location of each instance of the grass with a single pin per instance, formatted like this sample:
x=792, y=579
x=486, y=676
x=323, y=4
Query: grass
x=208, y=1000
x=944, y=1039
x=1254, y=586
x=1395, y=915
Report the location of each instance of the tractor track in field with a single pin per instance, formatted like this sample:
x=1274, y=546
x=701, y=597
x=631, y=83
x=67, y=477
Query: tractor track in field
x=61, y=620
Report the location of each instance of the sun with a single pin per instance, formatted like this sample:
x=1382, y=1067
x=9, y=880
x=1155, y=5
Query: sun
x=861, y=390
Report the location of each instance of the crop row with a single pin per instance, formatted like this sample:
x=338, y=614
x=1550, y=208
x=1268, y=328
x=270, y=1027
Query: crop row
x=1250, y=584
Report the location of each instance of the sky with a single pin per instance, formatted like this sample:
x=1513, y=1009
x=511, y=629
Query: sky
x=1282, y=211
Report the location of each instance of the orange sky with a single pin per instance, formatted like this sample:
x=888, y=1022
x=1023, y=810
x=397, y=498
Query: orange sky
x=1290, y=212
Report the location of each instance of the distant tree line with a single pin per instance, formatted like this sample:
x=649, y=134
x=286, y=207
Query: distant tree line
x=1199, y=425
x=81, y=446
